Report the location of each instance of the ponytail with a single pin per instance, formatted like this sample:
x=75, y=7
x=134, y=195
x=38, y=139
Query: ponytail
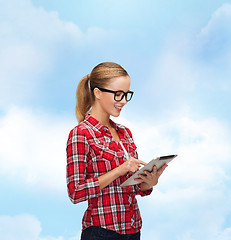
x=83, y=98
x=100, y=76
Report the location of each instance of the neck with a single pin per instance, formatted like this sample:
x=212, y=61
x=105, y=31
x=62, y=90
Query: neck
x=103, y=118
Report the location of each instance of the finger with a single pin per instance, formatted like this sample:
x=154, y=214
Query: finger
x=161, y=170
x=138, y=161
x=147, y=173
x=141, y=178
x=164, y=166
x=142, y=162
x=154, y=169
x=135, y=170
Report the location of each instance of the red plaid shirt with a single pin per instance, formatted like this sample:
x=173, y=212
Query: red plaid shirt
x=91, y=152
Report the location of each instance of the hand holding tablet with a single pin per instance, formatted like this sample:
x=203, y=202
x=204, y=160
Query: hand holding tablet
x=158, y=162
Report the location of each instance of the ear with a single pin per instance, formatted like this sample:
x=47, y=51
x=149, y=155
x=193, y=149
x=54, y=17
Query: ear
x=97, y=93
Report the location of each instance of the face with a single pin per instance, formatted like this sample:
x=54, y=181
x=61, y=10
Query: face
x=106, y=100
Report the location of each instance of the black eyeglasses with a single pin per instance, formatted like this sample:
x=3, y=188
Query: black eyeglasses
x=119, y=95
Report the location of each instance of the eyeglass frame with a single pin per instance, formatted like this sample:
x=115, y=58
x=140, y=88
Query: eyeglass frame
x=115, y=92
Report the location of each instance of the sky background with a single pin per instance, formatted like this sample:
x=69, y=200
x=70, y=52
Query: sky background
x=178, y=55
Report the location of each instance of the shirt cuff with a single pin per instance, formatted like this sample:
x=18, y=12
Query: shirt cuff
x=142, y=193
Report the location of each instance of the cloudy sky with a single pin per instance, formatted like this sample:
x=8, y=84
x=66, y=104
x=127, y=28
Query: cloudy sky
x=178, y=55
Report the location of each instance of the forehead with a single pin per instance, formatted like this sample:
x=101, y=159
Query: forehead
x=120, y=83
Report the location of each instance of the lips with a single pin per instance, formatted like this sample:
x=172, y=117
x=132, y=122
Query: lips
x=118, y=107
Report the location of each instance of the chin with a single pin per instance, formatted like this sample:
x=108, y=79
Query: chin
x=115, y=114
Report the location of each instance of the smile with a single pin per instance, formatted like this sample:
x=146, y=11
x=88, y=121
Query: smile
x=119, y=108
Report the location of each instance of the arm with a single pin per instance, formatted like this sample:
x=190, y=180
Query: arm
x=79, y=188
x=131, y=165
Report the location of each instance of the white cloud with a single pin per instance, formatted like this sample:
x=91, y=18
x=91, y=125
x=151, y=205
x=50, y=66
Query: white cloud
x=33, y=42
x=214, y=45
x=33, y=147
x=194, y=67
x=217, y=32
x=225, y=235
x=23, y=227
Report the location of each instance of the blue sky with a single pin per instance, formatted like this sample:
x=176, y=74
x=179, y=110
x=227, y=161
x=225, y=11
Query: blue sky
x=178, y=56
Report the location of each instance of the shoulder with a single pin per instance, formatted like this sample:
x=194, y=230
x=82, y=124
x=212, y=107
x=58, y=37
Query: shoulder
x=80, y=129
x=125, y=129
x=84, y=129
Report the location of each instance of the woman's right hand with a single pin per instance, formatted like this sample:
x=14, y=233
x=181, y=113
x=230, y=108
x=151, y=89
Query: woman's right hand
x=131, y=165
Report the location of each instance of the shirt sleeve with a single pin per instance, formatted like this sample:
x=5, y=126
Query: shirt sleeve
x=142, y=193
x=79, y=186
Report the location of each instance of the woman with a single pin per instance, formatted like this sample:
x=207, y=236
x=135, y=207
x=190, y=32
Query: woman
x=101, y=155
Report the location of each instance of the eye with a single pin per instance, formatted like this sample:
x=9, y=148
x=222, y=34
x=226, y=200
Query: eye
x=119, y=93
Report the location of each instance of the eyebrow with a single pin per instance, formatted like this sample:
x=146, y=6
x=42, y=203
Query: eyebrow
x=122, y=90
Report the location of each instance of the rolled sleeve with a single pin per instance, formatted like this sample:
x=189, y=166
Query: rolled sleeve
x=142, y=193
x=80, y=186
x=84, y=190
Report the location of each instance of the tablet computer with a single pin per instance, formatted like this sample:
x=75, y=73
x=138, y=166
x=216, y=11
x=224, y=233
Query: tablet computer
x=159, y=162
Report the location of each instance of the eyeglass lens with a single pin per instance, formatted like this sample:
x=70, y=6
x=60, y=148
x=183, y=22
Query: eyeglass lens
x=120, y=95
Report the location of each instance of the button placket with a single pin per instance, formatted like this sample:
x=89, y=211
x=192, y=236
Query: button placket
x=131, y=210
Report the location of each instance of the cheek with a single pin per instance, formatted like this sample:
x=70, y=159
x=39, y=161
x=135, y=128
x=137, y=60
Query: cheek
x=110, y=100
x=108, y=103
x=111, y=104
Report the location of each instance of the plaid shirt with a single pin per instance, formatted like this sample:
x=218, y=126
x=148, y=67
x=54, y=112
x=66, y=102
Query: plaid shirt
x=91, y=152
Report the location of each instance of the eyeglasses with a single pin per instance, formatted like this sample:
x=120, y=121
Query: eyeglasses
x=119, y=95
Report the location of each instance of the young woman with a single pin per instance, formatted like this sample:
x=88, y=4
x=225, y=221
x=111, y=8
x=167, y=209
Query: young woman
x=101, y=155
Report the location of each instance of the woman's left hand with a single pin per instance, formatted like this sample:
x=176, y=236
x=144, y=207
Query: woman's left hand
x=151, y=178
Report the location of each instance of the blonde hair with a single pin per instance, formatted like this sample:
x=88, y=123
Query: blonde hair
x=99, y=77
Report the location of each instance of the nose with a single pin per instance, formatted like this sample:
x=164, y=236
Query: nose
x=123, y=101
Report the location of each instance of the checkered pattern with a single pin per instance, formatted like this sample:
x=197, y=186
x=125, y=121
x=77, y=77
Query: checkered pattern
x=91, y=152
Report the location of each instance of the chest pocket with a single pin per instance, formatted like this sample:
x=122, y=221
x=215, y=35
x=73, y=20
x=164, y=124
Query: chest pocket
x=106, y=158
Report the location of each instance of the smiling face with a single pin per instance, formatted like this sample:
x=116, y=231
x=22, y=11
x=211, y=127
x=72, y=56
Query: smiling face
x=107, y=105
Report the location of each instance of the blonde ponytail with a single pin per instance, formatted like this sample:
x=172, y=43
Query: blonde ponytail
x=83, y=98
x=100, y=76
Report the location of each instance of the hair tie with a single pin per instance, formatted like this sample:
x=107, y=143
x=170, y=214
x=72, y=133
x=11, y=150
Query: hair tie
x=88, y=81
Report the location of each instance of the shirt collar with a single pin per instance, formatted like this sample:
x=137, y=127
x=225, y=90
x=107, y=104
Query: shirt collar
x=98, y=126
